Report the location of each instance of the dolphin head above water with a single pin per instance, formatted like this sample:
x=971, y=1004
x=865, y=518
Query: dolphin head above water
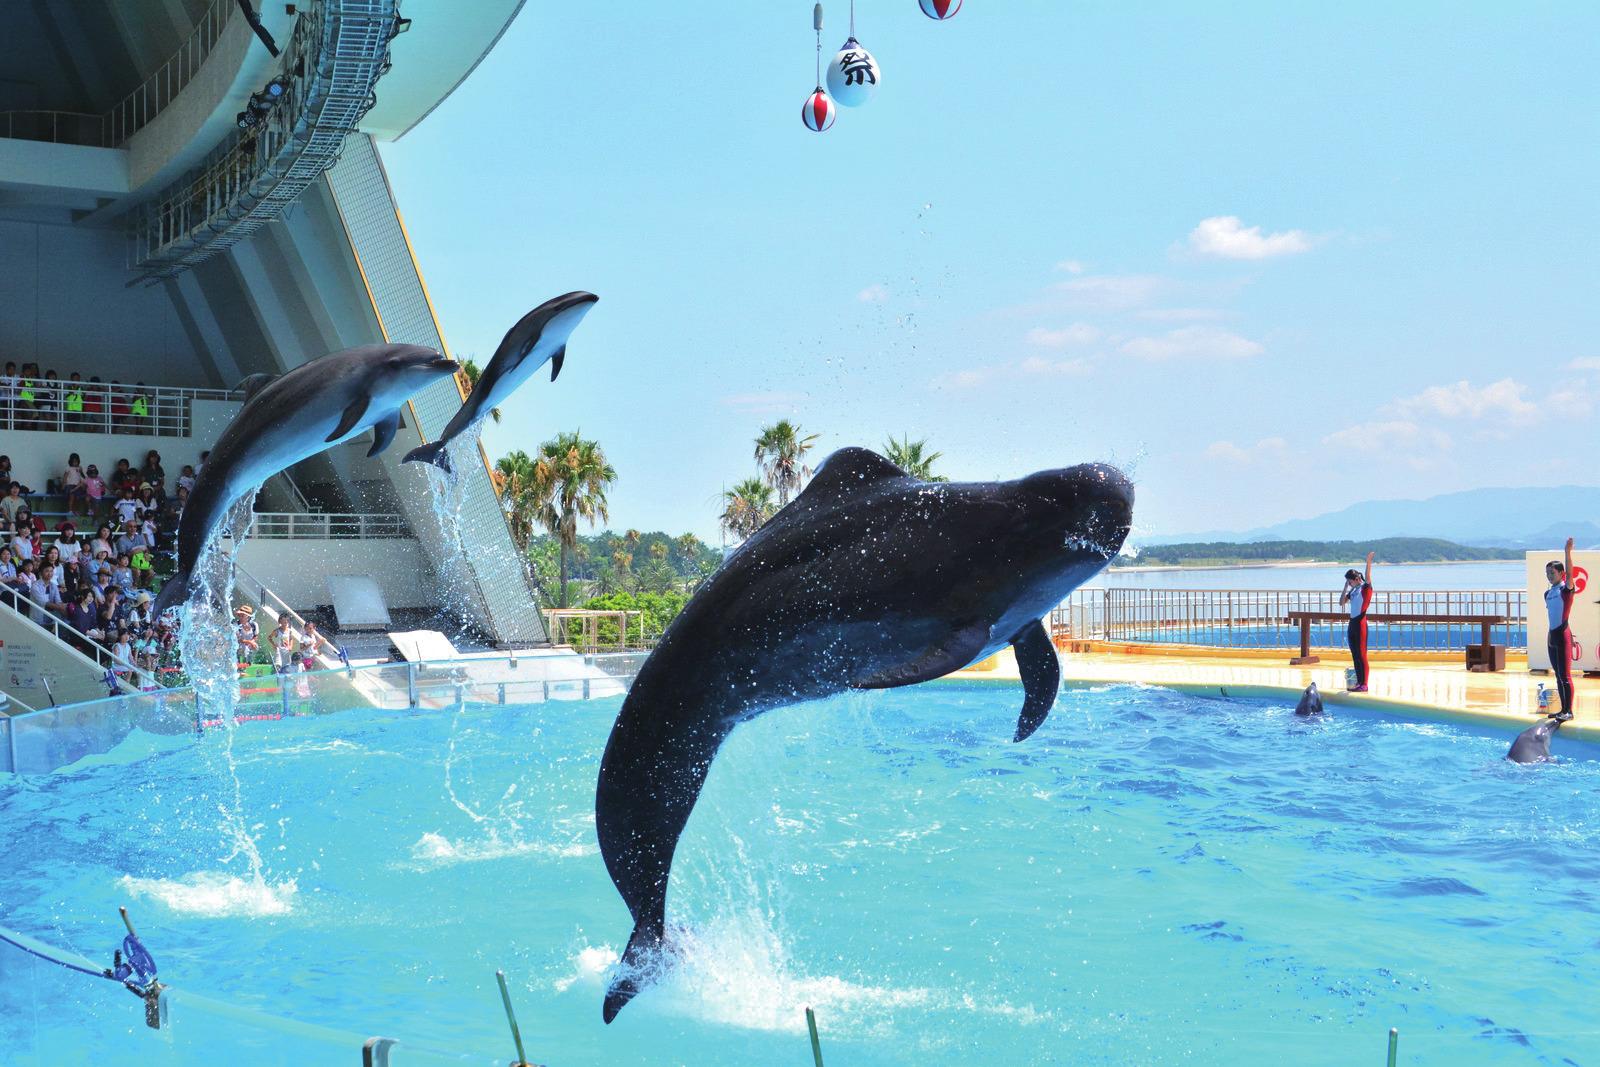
x=1310, y=704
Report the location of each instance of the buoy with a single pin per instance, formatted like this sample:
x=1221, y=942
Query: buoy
x=819, y=111
x=853, y=76
x=939, y=10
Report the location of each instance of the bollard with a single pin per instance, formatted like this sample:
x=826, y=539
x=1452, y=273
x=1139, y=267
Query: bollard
x=547, y=690
x=502, y=692
x=816, y=1046
x=411, y=683
x=586, y=687
x=1394, y=1044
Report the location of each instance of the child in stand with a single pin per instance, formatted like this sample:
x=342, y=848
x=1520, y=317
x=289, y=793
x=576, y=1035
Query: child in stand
x=72, y=480
x=186, y=479
x=122, y=575
x=94, y=490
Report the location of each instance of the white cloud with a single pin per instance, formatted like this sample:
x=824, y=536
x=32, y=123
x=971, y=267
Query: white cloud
x=1072, y=266
x=964, y=379
x=1067, y=367
x=1181, y=314
x=1079, y=333
x=1268, y=448
x=1504, y=400
x=873, y=294
x=1193, y=342
x=769, y=403
x=1110, y=292
x=1394, y=435
x=1585, y=363
x=1226, y=237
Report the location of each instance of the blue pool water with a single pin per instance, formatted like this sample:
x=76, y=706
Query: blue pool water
x=1152, y=878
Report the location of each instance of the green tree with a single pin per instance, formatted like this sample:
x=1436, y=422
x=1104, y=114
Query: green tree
x=746, y=507
x=781, y=450
x=470, y=370
x=570, y=479
x=514, y=478
x=913, y=458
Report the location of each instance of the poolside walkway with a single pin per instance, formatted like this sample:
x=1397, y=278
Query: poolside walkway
x=1433, y=688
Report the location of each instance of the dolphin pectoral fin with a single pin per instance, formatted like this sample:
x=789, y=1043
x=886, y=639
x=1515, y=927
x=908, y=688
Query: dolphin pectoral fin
x=383, y=434
x=556, y=360
x=1041, y=676
x=351, y=416
x=954, y=652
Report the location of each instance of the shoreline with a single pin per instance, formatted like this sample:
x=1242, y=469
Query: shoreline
x=1295, y=565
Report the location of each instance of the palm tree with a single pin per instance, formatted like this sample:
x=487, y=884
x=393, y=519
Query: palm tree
x=746, y=506
x=513, y=478
x=781, y=451
x=569, y=482
x=908, y=455
x=470, y=371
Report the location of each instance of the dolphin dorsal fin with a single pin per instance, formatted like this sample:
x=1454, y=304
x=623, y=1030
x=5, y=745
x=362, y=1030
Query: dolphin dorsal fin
x=849, y=470
x=251, y=384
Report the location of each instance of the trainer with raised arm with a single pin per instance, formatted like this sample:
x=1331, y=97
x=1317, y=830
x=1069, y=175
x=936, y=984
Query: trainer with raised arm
x=1357, y=596
x=1558, y=606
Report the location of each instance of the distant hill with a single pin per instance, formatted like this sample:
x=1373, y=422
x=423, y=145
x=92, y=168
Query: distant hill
x=1389, y=550
x=1519, y=518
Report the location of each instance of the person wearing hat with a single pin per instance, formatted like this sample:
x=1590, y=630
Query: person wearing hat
x=1357, y=596
x=248, y=632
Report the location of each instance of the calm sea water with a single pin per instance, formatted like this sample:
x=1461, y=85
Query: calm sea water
x=1507, y=575
x=1152, y=878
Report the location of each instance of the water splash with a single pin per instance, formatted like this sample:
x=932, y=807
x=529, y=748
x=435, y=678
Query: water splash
x=447, y=493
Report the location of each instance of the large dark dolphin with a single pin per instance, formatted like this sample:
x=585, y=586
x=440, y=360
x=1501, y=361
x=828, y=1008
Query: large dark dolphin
x=1533, y=744
x=1310, y=704
x=870, y=579
x=539, y=337
x=291, y=418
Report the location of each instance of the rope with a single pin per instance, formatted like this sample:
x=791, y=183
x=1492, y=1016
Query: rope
x=59, y=956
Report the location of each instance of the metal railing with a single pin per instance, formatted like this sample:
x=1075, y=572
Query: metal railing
x=59, y=406
x=79, y=643
x=134, y=111
x=1258, y=618
x=339, y=50
x=330, y=525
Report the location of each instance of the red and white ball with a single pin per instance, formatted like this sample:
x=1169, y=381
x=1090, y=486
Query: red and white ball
x=820, y=110
x=939, y=10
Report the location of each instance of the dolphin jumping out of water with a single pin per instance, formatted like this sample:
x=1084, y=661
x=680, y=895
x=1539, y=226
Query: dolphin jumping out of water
x=1533, y=744
x=539, y=337
x=290, y=418
x=1310, y=704
x=870, y=579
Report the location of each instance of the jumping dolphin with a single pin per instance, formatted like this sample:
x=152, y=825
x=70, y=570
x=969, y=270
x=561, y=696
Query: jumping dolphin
x=539, y=337
x=869, y=579
x=1533, y=744
x=1310, y=703
x=291, y=418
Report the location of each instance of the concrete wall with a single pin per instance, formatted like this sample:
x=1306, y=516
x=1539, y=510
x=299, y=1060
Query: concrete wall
x=297, y=570
x=30, y=657
x=38, y=455
x=66, y=305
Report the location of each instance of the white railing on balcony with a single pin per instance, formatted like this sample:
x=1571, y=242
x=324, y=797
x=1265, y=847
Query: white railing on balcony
x=327, y=526
x=134, y=111
x=148, y=410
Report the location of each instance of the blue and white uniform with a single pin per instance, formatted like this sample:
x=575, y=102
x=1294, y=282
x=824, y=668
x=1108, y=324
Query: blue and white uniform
x=1558, y=607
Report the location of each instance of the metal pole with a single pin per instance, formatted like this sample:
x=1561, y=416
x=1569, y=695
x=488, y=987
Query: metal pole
x=411, y=683
x=511, y=1017
x=1394, y=1045
x=816, y=1046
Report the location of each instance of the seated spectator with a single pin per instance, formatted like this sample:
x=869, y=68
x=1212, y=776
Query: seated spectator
x=50, y=565
x=147, y=497
x=102, y=541
x=72, y=480
x=103, y=583
x=73, y=581
x=172, y=510
x=98, y=565
x=132, y=537
x=69, y=544
x=8, y=569
x=110, y=611
x=6, y=477
x=140, y=618
x=83, y=617
x=122, y=652
x=94, y=489
x=248, y=632
x=13, y=501
x=186, y=479
x=22, y=543
x=122, y=574
x=143, y=564
x=126, y=507
x=153, y=473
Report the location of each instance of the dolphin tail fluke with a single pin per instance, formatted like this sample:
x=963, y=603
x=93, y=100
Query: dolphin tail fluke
x=434, y=452
x=636, y=970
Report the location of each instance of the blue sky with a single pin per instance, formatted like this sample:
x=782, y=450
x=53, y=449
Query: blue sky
x=1276, y=258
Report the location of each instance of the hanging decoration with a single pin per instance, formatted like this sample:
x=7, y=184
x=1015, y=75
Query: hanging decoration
x=853, y=76
x=820, y=110
x=939, y=10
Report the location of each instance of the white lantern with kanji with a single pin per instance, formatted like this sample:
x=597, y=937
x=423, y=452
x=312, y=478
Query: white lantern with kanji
x=853, y=75
x=819, y=111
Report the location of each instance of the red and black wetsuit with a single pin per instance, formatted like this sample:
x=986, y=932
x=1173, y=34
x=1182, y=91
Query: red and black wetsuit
x=1360, y=600
x=1558, y=604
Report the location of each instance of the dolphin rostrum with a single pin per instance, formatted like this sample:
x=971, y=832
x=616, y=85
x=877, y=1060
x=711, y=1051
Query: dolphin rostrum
x=539, y=337
x=1310, y=704
x=870, y=579
x=1533, y=744
x=290, y=418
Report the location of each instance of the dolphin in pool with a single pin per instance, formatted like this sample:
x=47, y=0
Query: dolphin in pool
x=1533, y=744
x=1310, y=704
x=870, y=579
x=292, y=417
x=539, y=337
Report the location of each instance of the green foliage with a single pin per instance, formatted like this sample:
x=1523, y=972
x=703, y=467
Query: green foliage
x=653, y=562
x=747, y=507
x=913, y=458
x=659, y=610
x=1388, y=549
x=781, y=451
